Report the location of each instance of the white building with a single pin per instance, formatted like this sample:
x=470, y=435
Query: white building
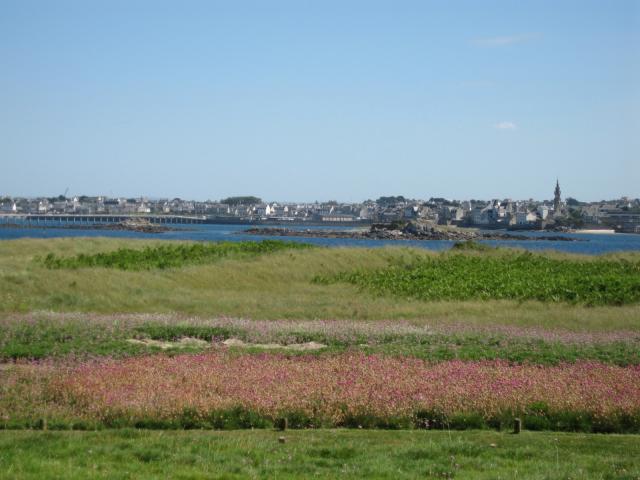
x=143, y=208
x=526, y=218
x=543, y=211
x=9, y=207
x=482, y=215
x=263, y=210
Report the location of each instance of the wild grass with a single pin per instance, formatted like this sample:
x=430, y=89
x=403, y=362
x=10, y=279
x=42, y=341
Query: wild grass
x=271, y=287
x=171, y=255
x=122, y=454
x=508, y=276
x=39, y=336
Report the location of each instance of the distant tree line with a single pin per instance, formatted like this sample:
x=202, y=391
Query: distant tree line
x=572, y=202
x=247, y=200
x=573, y=219
x=630, y=210
x=391, y=200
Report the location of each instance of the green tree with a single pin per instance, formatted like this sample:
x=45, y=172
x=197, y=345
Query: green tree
x=246, y=200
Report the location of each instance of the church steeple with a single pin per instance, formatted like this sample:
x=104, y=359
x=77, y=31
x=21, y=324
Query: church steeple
x=556, y=197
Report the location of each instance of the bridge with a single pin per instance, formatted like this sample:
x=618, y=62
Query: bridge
x=32, y=219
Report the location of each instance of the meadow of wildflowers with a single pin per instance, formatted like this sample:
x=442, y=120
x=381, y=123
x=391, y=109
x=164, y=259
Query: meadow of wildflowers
x=348, y=332
x=222, y=389
x=43, y=335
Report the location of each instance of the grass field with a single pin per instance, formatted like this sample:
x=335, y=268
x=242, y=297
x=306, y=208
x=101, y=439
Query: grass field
x=514, y=276
x=125, y=454
x=101, y=333
x=170, y=255
x=266, y=287
x=43, y=335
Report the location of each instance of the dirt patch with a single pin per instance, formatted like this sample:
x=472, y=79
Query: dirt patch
x=190, y=342
x=185, y=342
x=235, y=342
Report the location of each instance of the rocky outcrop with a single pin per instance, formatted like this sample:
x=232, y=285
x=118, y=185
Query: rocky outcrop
x=410, y=231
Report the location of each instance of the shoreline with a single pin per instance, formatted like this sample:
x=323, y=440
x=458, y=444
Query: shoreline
x=388, y=234
x=119, y=227
x=596, y=231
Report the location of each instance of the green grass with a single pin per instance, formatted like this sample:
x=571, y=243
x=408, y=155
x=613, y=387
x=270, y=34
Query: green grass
x=237, y=418
x=274, y=286
x=170, y=255
x=115, y=276
x=184, y=281
x=38, y=337
x=476, y=347
x=332, y=454
x=505, y=276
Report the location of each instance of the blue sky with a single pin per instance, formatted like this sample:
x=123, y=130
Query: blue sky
x=308, y=101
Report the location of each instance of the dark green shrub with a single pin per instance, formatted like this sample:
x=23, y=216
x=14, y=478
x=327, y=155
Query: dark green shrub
x=504, y=276
x=171, y=255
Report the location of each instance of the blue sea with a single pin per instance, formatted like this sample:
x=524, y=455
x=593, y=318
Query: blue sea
x=590, y=244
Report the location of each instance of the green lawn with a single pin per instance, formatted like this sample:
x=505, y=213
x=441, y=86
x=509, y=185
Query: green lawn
x=123, y=454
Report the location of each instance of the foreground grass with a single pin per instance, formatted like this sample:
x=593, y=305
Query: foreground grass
x=275, y=286
x=128, y=454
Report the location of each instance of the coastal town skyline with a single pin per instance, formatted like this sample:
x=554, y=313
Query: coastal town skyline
x=70, y=194
x=7, y=189
x=622, y=214
x=556, y=198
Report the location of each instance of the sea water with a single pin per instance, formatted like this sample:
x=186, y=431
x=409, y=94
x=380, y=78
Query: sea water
x=590, y=243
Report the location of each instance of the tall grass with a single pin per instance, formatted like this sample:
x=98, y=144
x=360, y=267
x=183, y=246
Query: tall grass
x=90, y=335
x=268, y=287
x=508, y=275
x=171, y=255
x=222, y=389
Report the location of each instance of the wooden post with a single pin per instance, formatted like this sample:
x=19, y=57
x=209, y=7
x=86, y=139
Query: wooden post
x=282, y=423
x=517, y=425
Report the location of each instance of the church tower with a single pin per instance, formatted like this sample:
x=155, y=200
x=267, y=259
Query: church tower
x=556, y=198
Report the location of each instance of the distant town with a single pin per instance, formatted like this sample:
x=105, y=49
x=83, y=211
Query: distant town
x=621, y=215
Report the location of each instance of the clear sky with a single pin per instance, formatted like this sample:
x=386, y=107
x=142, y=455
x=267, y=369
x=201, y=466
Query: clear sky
x=319, y=100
